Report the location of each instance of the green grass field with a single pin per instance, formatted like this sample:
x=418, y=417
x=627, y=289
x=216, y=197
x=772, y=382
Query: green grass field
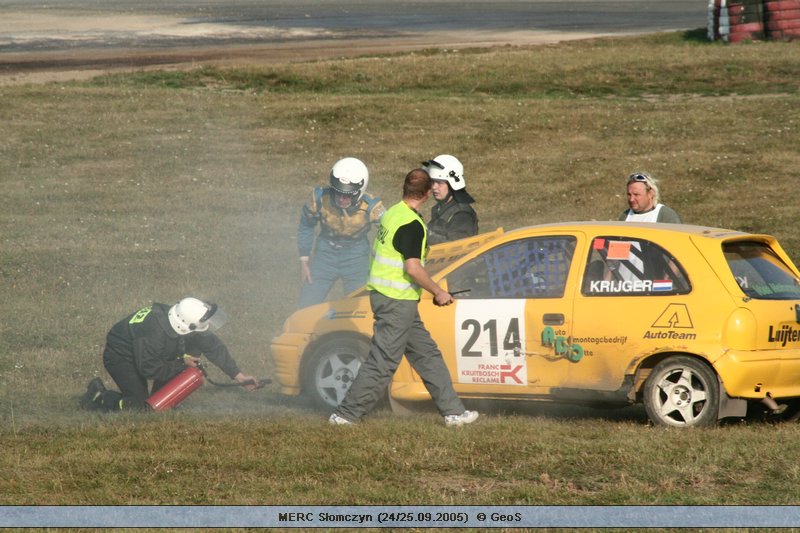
x=155, y=185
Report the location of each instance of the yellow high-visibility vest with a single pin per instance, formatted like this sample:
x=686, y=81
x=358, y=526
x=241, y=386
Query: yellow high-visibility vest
x=386, y=272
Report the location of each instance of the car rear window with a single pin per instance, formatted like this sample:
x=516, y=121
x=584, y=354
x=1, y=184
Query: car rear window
x=760, y=273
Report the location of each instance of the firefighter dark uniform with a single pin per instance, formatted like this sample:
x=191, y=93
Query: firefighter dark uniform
x=145, y=347
x=452, y=220
x=342, y=247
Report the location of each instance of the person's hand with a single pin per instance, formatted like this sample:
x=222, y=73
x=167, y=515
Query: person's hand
x=305, y=272
x=248, y=382
x=190, y=360
x=443, y=298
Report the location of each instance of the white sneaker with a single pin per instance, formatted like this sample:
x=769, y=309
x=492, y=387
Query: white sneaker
x=467, y=417
x=336, y=420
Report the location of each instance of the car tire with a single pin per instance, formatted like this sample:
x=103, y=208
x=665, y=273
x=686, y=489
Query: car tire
x=682, y=392
x=331, y=369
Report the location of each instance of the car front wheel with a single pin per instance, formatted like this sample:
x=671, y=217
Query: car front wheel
x=682, y=392
x=331, y=369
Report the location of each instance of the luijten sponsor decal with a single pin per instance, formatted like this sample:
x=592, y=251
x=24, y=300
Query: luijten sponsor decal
x=785, y=334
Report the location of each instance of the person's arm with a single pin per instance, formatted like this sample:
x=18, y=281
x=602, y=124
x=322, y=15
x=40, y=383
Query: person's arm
x=667, y=214
x=417, y=272
x=377, y=209
x=215, y=350
x=306, y=233
x=434, y=237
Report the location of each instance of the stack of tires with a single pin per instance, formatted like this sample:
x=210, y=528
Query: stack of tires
x=735, y=21
x=782, y=19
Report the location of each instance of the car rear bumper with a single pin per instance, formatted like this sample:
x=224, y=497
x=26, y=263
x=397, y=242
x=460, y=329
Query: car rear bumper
x=758, y=374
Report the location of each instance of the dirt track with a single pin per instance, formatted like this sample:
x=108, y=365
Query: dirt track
x=83, y=63
x=86, y=62
x=83, y=38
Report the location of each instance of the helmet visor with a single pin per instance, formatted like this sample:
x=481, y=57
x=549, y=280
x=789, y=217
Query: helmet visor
x=214, y=319
x=345, y=186
x=433, y=163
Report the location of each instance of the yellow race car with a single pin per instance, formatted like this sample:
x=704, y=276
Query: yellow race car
x=697, y=323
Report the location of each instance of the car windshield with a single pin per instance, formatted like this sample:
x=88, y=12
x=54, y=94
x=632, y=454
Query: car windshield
x=760, y=273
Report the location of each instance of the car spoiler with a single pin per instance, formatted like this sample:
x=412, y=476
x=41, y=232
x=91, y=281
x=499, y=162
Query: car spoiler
x=441, y=255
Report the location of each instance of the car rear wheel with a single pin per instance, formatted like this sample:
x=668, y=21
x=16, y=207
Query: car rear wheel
x=330, y=371
x=682, y=392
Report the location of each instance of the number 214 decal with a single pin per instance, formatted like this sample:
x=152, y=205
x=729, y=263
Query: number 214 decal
x=511, y=339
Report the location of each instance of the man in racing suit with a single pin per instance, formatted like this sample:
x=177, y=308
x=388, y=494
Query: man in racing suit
x=345, y=215
x=155, y=344
x=452, y=217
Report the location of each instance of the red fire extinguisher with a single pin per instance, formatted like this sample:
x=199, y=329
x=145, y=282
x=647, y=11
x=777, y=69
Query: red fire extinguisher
x=189, y=380
x=177, y=389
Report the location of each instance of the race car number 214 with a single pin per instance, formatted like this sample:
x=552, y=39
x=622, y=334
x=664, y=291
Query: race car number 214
x=490, y=336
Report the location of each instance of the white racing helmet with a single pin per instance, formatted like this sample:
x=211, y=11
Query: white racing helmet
x=446, y=168
x=350, y=176
x=192, y=315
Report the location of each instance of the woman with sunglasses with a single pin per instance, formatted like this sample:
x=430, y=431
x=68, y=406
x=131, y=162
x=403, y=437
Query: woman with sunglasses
x=643, y=201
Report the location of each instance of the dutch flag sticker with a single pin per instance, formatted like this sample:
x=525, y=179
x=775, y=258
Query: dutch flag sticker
x=662, y=285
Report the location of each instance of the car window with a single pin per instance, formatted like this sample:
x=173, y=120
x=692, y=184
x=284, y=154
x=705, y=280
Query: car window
x=526, y=268
x=632, y=267
x=759, y=272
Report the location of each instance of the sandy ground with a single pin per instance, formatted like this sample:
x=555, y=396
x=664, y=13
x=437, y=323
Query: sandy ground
x=38, y=47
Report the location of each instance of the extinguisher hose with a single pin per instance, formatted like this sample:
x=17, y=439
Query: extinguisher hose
x=258, y=383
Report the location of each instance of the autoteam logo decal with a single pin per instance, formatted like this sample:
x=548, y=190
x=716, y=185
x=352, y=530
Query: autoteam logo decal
x=674, y=317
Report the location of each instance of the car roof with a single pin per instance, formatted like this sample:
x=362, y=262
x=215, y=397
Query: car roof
x=612, y=227
x=443, y=254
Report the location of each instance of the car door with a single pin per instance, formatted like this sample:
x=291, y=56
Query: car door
x=634, y=297
x=512, y=317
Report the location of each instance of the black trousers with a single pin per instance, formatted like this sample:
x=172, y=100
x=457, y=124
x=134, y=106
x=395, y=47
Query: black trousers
x=133, y=389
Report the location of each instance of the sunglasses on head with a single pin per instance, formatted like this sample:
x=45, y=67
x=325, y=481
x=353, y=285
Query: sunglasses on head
x=432, y=163
x=643, y=178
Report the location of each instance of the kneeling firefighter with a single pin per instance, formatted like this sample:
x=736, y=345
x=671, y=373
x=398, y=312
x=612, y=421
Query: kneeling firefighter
x=157, y=343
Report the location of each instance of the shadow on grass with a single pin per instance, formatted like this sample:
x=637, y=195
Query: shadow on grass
x=699, y=35
x=559, y=411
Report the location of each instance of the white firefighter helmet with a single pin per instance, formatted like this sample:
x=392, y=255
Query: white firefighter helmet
x=350, y=176
x=446, y=168
x=193, y=315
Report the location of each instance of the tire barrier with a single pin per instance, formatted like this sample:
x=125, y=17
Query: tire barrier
x=782, y=20
x=734, y=21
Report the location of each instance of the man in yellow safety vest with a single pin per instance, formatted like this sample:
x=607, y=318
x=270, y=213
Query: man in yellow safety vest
x=397, y=278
